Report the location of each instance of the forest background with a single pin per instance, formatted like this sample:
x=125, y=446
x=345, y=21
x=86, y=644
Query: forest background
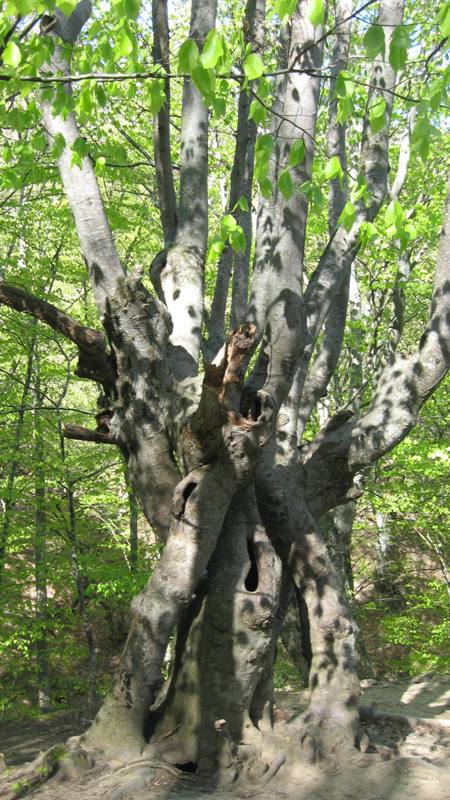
x=74, y=545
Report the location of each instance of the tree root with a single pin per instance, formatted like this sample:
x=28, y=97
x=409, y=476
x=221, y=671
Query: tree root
x=28, y=778
x=367, y=714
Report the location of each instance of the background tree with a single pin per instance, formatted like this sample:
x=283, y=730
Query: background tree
x=217, y=456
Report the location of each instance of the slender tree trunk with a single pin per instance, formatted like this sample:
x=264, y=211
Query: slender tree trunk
x=40, y=556
x=79, y=580
x=133, y=525
x=81, y=598
x=8, y=502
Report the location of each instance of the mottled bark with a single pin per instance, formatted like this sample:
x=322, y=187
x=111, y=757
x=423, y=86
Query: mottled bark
x=161, y=126
x=281, y=223
x=240, y=186
x=182, y=272
x=94, y=361
x=80, y=183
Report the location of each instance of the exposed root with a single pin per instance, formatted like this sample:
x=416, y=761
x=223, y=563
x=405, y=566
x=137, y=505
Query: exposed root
x=368, y=714
x=32, y=775
x=274, y=767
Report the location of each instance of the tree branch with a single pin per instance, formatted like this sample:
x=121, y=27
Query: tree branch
x=240, y=186
x=182, y=273
x=276, y=294
x=82, y=434
x=94, y=362
x=403, y=387
x=80, y=183
x=161, y=126
x=303, y=398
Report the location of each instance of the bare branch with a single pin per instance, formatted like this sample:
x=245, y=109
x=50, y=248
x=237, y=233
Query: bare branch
x=275, y=300
x=87, y=435
x=403, y=387
x=240, y=186
x=80, y=182
x=182, y=274
x=94, y=362
x=161, y=127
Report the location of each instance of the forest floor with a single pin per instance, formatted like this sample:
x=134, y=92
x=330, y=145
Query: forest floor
x=412, y=762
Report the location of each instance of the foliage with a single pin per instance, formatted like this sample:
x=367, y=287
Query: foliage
x=40, y=253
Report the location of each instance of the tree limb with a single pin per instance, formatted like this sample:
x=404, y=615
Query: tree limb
x=94, y=361
x=80, y=183
x=276, y=306
x=403, y=387
x=161, y=126
x=240, y=186
x=182, y=273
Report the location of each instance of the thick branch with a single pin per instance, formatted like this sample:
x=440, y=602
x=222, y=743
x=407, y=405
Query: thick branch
x=375, y=146
x=281, y=225
x=335, y=263
x=302, y=398
x=276, y=295
x=161, y=127
x=182, y=275
x=331, y=463
x=94, y=362
x=80, y=183
x=82, y=434
x=240, y=186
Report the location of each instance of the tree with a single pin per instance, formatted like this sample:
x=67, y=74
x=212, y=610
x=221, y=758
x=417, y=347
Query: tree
x=216, y=453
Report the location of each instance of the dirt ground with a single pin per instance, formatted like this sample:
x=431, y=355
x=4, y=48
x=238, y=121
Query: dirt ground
x=404, y=760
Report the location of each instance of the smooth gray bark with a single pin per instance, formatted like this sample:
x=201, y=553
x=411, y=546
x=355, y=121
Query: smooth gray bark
x=161, y=126
x=240, y=186
x=182, y=275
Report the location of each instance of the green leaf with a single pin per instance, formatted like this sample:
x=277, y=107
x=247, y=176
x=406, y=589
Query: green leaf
x=237, y=240
x=444, y=20
x=346, y=108
x=421, y=136
x=131, y=8
x=285, y=184
x=80, y=147
x=124, y=45
x=265, y=187
x=67, y=6
x=367, y=233
x=58, y=146
x=12, y=55
x=157, y=96
x=373, y=41
x=219, y=105
x=264, y=144
x=348, y=216
x=188, y=57
x=253, y=66
x=257, y=112
x=398, y=49
x=205, y=81
x=212, y=49
x=297, y=153
x=333, y=169
x=284, y=9
x=242, y=203
x=345, y=86
x=376, y=114
x=100, y=165
x=316, y=13
x=216, y=250
x=227, y=225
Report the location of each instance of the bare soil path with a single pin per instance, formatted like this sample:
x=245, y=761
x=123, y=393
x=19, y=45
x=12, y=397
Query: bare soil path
x=405, y=759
